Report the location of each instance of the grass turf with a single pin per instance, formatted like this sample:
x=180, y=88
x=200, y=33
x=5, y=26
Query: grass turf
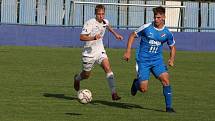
x=37, y=84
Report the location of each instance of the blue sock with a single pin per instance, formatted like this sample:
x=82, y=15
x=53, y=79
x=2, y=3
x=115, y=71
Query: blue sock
x=168, y=96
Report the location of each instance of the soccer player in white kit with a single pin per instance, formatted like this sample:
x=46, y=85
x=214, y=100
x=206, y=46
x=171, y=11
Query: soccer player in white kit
x=93, y=52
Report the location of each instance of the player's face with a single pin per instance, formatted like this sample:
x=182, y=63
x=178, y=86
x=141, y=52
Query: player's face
x=100, y=14
x=159, y=20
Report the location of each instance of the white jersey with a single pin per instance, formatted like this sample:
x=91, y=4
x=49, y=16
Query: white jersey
x=93, y=27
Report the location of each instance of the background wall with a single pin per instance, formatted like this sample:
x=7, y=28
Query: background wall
x=55, y=36
x=59, y=12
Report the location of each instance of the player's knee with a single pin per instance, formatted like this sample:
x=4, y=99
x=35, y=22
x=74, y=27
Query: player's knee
x=164, y=78
x=143, y=86
x=143, y=89
x=165, y=82
x=85, y=75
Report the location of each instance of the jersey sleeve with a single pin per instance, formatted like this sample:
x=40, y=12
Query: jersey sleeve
x=139, y=31
x=87, y=28
x=171, y=40
x=106, y=22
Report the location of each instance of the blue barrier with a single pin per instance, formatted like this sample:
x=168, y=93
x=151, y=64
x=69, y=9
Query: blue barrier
x=58, y=36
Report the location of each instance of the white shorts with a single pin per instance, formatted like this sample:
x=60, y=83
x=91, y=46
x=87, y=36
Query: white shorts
x=89, y=61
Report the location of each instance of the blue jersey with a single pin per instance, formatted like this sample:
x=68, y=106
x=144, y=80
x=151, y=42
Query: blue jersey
x=152, y=40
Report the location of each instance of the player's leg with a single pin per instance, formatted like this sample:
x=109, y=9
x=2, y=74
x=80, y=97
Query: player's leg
x=133, y=87
x=87, y=65
x=110, y=78
x=167, y=91
x=141, y=83
x=79, y=77
x=160, y=72
x=143, y=86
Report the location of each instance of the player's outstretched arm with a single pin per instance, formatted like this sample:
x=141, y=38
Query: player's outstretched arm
x=87, y=37
x=172, y=55
x=118, y=36
x=127, y=54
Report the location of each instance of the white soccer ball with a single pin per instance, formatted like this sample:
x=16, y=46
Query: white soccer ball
x=84, y=96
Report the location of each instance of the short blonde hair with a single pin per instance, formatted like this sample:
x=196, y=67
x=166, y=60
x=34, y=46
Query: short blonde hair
x=99, y=7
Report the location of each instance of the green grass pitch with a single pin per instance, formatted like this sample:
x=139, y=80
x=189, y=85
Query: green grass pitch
x=36, y=84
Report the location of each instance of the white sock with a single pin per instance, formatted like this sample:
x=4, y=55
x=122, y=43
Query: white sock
x=111, y=82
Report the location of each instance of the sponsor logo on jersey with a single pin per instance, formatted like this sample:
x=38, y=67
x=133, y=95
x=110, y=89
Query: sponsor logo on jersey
x=153, y=42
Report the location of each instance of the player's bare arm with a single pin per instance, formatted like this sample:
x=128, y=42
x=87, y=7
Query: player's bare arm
x=127, y=54
x=118, y=36
x=87, y=37
x=172, y=55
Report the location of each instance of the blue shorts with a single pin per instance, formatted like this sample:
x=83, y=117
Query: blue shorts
x=157, y=67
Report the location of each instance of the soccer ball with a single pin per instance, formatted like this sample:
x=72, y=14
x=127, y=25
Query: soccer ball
x=84, y=96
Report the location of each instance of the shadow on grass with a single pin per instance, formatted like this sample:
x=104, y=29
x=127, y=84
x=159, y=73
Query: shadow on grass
x=73, y=114
x=61, y=96
x=116, y=104
x=122, y=105
x=103, y=102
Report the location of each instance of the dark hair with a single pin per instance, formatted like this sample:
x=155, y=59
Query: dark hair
x=159, y=10
x=99, y=7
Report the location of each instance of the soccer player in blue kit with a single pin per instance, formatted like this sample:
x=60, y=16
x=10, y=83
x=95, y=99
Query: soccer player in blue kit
x=149, y=56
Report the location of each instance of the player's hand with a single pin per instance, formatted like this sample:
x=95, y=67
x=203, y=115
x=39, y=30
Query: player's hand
x=127, y=56
x=119, y=37
x=97, y=36
x=170, y=62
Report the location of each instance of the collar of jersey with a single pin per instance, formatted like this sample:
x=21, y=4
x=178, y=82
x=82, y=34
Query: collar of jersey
x=157, y=28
